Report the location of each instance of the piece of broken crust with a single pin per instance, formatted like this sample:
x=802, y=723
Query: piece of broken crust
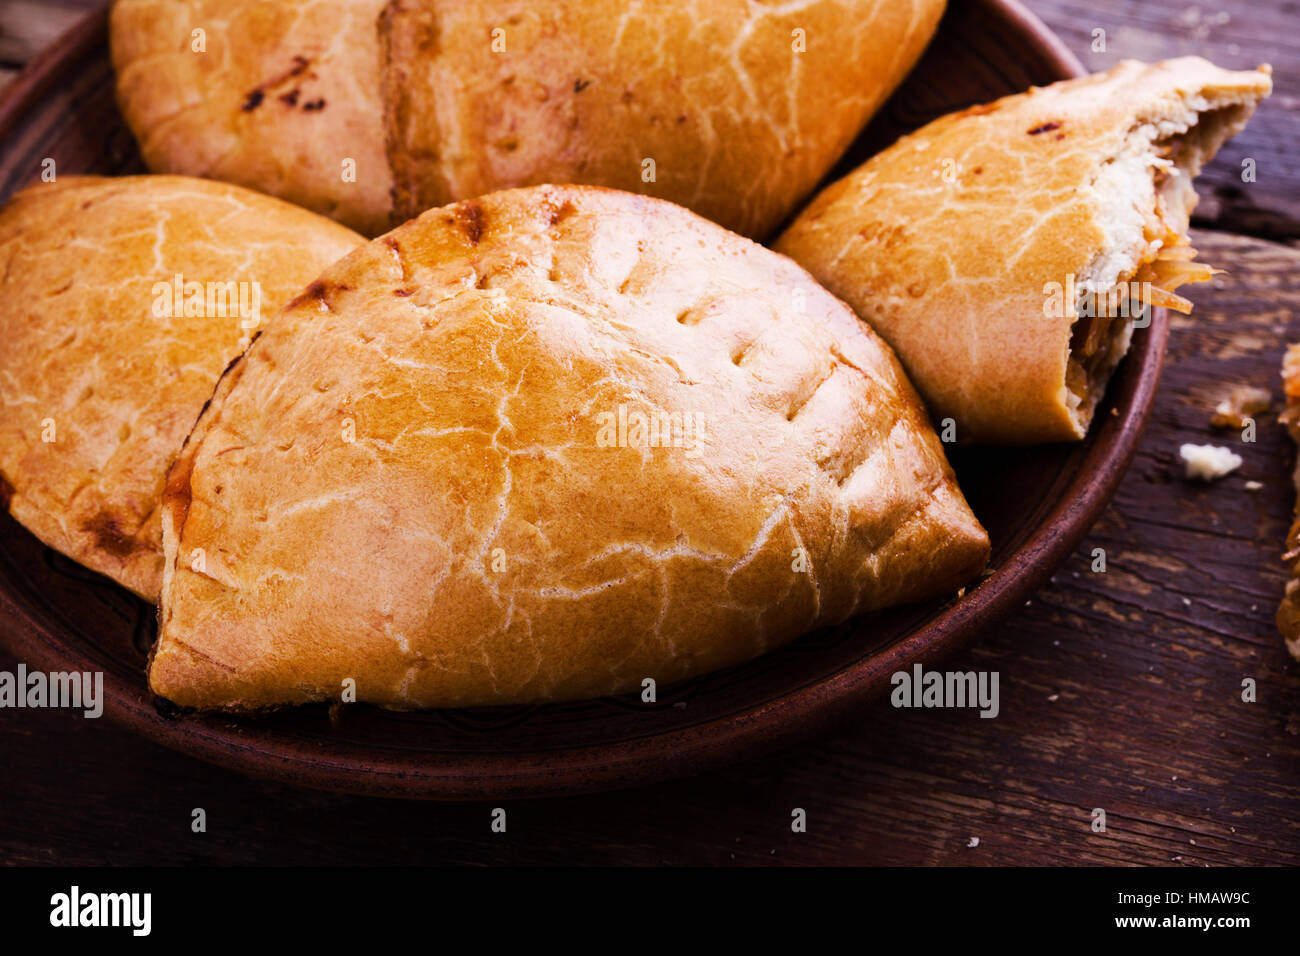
x=1240, y=406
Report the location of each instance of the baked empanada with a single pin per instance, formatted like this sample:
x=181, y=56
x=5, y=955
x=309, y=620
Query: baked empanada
x=121, y=300
x=373, y=111
x=545, y=444
x=1004, y=251
x=1288, y=612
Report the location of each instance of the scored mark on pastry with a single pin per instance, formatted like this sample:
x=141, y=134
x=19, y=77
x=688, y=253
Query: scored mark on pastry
x=392, y=245
x=191, y=649
x=797, y=405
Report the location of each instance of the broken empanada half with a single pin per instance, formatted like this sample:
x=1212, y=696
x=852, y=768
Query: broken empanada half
x=1006, y=251
x=121, y=301
x=546, y=444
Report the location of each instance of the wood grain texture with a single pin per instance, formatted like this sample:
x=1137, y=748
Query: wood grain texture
x=29, y=26
x=1119, y=690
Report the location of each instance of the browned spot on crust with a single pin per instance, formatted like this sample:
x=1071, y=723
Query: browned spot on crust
x=580, y=85
x=469, y=216
x=1045, y=128
x=318, y=291
x=177, y=495
x=561, y=212
x=312, y=106
x=109, y=537
x=402, y=292
x=253, y=99
x=291, y=97
x=6, y=493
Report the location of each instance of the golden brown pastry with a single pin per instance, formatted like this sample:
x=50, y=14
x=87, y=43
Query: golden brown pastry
x=106, y=361
x=1003, y=251
x=1288, y=613
x=545, y=445
x=741, y=106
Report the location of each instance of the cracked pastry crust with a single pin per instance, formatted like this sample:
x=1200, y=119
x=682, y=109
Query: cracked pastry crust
x=1288, y=612
x=434, y=105
x=99, y=390
x=954, y=242
x=403, y=481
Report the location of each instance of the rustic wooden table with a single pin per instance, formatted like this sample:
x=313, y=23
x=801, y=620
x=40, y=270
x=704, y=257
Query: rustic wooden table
x=1119, y=690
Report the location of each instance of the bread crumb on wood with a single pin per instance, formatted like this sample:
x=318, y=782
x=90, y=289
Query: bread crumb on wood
x=1208, y=462
x=1242, y=403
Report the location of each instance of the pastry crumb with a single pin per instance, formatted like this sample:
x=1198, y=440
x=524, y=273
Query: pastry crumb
x=1254, y=485
x=1242, y=403
x=1208, y=462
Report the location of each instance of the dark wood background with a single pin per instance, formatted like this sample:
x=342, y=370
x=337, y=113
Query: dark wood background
x=1119, y=690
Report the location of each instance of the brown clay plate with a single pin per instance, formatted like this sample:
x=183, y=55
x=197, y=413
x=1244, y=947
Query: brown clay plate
x=1037, y=503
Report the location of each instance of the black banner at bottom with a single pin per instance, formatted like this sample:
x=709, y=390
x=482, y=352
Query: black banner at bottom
x=222, y=906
